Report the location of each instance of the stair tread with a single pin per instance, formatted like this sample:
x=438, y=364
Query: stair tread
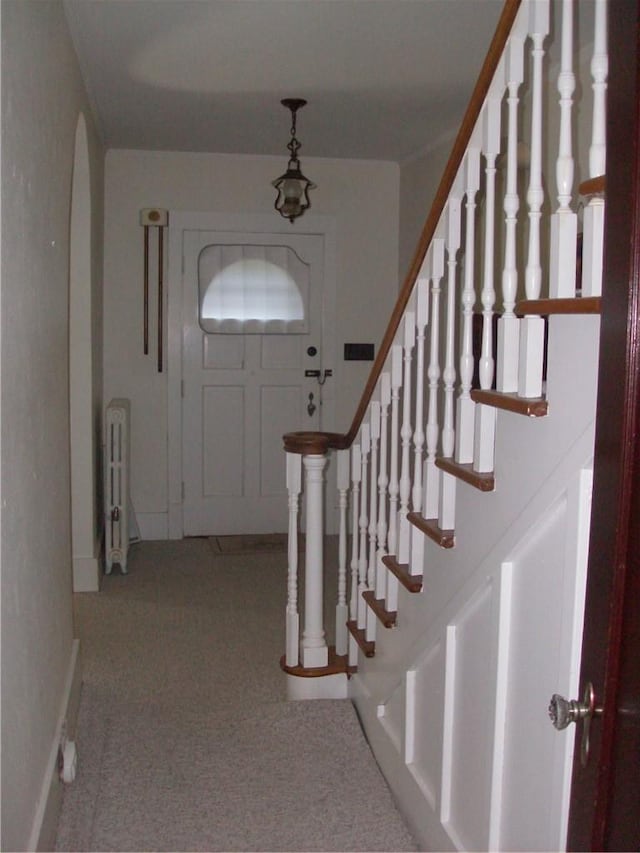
x=413, y=583
x=358, y=634
x=337, y=664
x=484, y=482
x=429, y=526
x=593, y=186
x=532, y=407
x=387, y=617
x=545, y=307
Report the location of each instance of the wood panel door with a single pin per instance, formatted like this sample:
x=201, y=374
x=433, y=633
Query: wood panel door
x=243, y=390
x=605, y=800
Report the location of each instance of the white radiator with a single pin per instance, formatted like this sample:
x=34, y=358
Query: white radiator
x=117, y=508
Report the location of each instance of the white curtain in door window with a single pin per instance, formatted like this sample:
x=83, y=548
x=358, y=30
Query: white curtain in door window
x=250, y=289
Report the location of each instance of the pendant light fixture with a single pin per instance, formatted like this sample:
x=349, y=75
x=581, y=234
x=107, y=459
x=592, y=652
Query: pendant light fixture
x=293, y=188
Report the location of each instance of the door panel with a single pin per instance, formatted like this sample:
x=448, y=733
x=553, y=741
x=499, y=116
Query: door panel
x=223, y=462
x=242, y=392
x=222, y=352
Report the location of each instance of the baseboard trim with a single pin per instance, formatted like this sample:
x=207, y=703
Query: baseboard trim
x=45, y=823
x=87, y=574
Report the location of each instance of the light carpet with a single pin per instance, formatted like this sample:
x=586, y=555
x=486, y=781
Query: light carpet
x=185, y=738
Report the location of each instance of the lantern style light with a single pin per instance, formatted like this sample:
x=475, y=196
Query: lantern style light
x=293, y=188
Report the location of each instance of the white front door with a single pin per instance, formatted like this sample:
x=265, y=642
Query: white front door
x=244, y=382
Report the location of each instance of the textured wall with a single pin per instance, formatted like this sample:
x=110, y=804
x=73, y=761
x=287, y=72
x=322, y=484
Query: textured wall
x=42, y=96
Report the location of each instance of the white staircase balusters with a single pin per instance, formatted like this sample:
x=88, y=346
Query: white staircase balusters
x=405, y=434
x=564, y=222
x=431, y=473
x=532, y=327
x=465, y=405
x=446, y=508
x=365, y=448
x=314, y=645
x=593, y=224
x=599, y=73
x=453, y=214
x=485, y=416
x=294, y=486
x=394, y=485
x=422, y=320
x=508, y=324
x=374, y=416
x=491, y=147
x=342, y=611
x=383, y=482
x=356, y=473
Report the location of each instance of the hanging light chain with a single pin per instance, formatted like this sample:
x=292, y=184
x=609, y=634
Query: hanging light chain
x=293, y=146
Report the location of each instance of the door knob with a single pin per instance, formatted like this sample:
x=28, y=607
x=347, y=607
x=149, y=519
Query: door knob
x=311, y=406
x=563, y=712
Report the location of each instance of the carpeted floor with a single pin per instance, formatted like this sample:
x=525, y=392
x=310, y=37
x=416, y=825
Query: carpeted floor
x=185, y=738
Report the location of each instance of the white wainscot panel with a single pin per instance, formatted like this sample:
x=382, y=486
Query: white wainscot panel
x=424, y=722
x=223, y=440
x=470, y=678
x=548, y=571
x=391, y=715
x=223, y=352
x=279, y=408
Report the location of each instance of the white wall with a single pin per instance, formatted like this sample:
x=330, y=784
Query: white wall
x=361, y=195
x=419, y=180
x=42, y=96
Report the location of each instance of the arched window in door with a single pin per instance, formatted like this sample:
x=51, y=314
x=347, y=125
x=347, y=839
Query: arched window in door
x=249, y=289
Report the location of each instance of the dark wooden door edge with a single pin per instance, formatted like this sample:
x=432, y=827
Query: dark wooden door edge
x=605, y=794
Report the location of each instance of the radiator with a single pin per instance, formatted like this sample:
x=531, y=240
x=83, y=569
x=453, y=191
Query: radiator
x=117, y=501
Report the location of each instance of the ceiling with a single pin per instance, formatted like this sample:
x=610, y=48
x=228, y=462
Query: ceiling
x=384, y=79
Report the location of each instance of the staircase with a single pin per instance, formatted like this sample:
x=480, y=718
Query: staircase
x=464, y=482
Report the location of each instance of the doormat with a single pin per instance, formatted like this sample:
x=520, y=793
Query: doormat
x=250, y=543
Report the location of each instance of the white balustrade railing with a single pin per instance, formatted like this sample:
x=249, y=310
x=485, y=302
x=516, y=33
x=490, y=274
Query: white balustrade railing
x=365, y=448
x=423, y=416
x=383, y=483
x=391, y=597
x=564, y=222
x=417, y=493
x=465, y=405
x=432, y=474
x=593, y=226
x=508, y=324
x=532, y=327
x=342, y=610
x=406, y=434
x=374, y=414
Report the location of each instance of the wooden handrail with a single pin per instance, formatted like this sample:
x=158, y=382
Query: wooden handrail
x=460, y=145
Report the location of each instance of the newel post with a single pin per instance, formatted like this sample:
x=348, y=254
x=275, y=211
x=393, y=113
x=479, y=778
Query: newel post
x=313, y=448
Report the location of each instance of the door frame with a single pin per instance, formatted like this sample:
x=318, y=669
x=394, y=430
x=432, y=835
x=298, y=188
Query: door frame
x=256, y=223
x=605, y=794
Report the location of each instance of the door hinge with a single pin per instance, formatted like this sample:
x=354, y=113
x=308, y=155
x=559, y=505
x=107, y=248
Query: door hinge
x=182, y=388
x=183, y=490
